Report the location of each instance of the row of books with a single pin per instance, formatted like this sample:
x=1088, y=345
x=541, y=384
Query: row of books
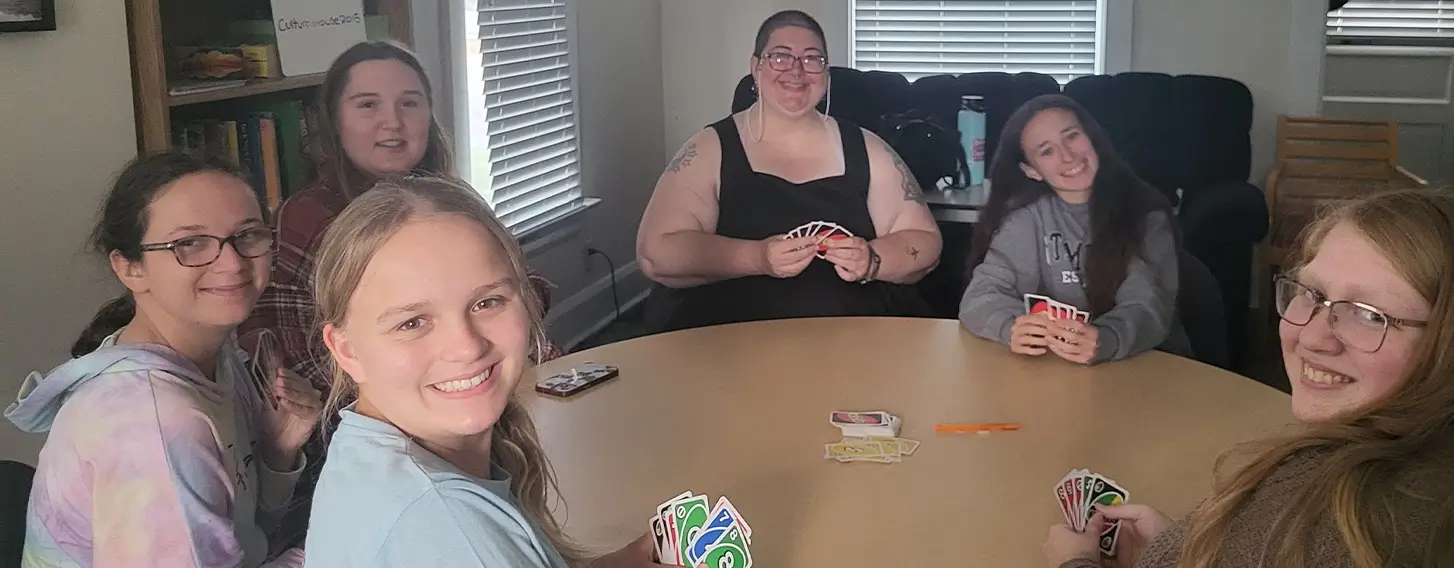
x=268, y=141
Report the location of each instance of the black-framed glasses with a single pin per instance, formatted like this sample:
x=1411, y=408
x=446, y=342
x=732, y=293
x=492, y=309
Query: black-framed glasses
x=201, y=250
x=784, y=61
x=1357, y=325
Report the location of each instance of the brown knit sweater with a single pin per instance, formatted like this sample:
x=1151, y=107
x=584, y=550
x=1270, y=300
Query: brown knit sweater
x=1250, y=530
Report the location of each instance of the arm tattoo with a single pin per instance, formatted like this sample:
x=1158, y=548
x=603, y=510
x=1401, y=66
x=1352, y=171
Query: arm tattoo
x=912, y=191
x=683, y=158
x=914, y=253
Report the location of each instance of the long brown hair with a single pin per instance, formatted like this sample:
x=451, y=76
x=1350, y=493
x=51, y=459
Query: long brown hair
x=331, y=166
x=1119, y=204
x=1361, y=457
x=347, y=247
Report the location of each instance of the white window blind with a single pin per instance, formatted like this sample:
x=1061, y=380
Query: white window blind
x=1393, y=19
x=531, y=149
x=925, y=37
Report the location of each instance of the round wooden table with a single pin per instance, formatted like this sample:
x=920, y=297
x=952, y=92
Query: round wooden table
x=742, y=410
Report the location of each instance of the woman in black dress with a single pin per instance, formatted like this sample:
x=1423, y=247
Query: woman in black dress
x=714, y=234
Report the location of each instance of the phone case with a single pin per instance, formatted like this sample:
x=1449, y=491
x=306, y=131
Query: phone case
x=577, y=380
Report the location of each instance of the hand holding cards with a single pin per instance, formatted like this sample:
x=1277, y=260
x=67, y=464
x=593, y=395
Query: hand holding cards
x=1079, y=492
x=687, y=533
x=823, y=231
x=1035, y=303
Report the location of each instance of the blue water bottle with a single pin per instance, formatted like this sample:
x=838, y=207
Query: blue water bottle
x=971, y=136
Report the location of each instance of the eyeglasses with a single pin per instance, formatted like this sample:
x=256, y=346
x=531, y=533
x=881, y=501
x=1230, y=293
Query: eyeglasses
x=783, y=61
x=202, y=250
x=1360, y=326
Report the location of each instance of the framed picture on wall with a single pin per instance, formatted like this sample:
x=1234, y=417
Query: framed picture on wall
x=27, y=15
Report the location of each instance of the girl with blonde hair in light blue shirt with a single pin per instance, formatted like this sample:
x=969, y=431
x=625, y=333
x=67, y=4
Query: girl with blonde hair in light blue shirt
x=422, y=295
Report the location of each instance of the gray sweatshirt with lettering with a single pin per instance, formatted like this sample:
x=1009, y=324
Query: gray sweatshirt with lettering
x=1038, y=251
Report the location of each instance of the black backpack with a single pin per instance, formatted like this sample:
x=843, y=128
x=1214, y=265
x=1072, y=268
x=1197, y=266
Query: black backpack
x=932, y=152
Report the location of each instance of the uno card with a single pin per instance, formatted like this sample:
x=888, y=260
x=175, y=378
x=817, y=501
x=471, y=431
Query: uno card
x=1104, y=491
x=729, y=551
x=1078, y=485
x=658, y=536
x=668, y=525
x=872, y=418
x=1065, y=494
x=691, y=516
x=1035, y=303
x=722, y=518
x=1082, y=316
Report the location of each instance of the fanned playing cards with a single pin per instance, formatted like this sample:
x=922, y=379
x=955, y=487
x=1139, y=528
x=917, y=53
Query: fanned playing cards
x=689, y=533
x=1035, y=303
x=825, y=232
x=1079, y=492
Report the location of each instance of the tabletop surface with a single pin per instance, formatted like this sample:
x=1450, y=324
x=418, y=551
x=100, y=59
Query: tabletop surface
x=742, y=411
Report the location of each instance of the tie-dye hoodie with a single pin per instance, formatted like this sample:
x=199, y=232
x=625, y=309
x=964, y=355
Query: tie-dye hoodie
x=148, y=463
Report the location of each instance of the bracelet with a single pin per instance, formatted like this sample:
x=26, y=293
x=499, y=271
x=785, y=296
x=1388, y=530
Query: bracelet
x=873, y=263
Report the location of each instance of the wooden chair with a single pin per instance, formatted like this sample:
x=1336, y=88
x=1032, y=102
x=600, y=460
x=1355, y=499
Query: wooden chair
x=1321, y=161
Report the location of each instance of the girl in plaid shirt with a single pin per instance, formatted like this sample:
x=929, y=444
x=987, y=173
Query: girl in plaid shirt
x=374, y=119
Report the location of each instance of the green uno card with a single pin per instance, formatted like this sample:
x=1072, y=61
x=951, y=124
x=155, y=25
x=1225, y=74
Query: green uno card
x=691, y=515
x=730, y=551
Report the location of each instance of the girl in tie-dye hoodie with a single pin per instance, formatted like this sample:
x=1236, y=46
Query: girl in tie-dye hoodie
x=167, y=447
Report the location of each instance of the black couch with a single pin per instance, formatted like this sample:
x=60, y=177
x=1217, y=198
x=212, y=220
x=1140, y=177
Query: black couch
x=1189, y=133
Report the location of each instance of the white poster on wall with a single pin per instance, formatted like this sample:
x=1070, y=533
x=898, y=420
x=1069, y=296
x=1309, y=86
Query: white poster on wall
x=311, y=33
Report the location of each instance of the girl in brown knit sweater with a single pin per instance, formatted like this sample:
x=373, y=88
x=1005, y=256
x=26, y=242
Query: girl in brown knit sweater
x=1367, y=336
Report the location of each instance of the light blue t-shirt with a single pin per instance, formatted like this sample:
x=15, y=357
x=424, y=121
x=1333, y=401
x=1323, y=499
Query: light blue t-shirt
x=382, y=500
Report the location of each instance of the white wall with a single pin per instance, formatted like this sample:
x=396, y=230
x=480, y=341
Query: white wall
x=1274, y=46
x=56, y=161
x=620, y=121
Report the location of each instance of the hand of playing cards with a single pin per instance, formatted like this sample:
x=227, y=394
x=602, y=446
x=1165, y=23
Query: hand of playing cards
x=823, y=230
x=1079, y=491
x=1035, y=303
x=687, y=533
x=868, y=436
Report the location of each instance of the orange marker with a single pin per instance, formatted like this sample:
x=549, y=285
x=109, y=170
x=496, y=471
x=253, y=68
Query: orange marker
x=975, y=427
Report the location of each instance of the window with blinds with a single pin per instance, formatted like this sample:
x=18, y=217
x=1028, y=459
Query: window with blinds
x=530, y=149
x=1411, y=19
x=926, y=37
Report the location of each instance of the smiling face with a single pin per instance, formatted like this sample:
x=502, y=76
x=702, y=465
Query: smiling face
x=384, y=117
x=1330, y=378
x=437, y=332
x=795, y=91
x=219, y=295
x=1058, y=152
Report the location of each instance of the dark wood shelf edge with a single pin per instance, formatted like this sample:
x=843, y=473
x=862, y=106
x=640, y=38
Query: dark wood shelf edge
x=255, y=87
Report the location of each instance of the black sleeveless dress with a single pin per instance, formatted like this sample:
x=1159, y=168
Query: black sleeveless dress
x=754, y=206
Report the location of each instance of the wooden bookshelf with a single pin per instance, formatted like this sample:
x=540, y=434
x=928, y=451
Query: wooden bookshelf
x=155, y=25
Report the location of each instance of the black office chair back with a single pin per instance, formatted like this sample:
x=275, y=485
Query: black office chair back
x=15, y=480
x=1200, y=306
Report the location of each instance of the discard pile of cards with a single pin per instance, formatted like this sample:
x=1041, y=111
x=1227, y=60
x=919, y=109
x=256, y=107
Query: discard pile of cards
x=1035, y=303
x=688, y=533
x=825, y=232
x=1079, y=491
x=868, y=436
x=871, y=449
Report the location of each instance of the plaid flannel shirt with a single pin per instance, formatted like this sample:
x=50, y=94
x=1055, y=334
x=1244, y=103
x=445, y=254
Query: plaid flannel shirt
x=286, y=310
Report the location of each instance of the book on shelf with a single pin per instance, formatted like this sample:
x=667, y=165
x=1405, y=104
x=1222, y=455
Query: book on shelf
x=267, y=141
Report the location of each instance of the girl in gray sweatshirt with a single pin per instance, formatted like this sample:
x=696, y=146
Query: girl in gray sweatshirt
x=1068, y=219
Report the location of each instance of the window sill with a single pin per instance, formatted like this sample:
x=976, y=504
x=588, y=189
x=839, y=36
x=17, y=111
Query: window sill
x=555, y=229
